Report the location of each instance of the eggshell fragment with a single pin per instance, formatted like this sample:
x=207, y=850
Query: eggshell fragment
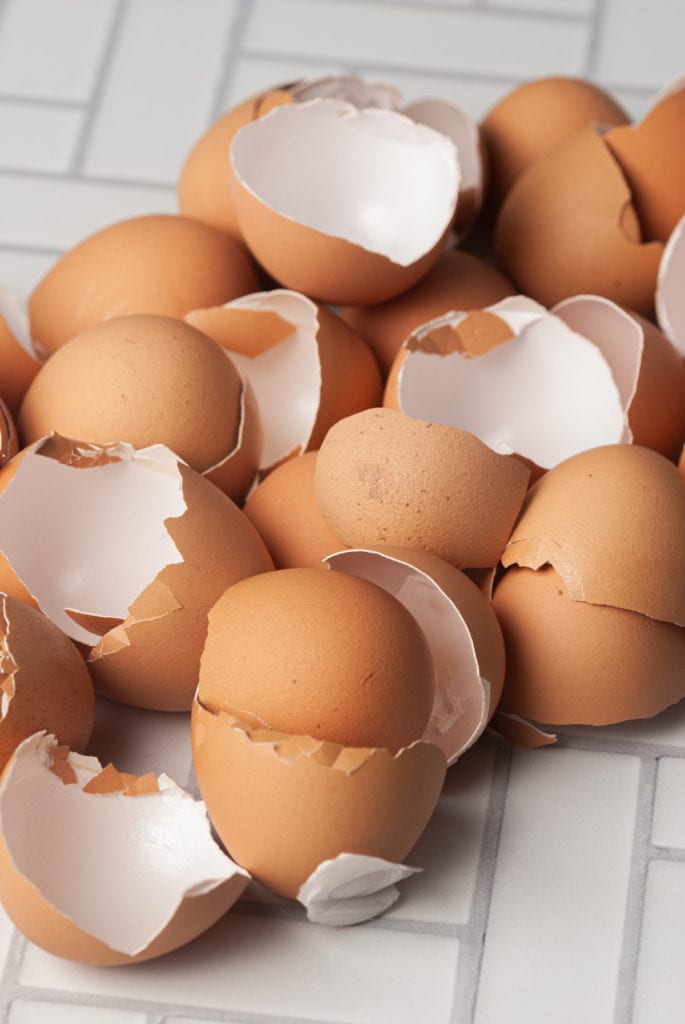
x=352, y=888
x=338, y=226
x=463, y=636
x=592, y=518
x=284, y=512
x=97, y=869
x=570, y=661
x=45, y=682
x=521, y=732
x=135, y=551
x=385, y=479
x=306, y=368
x=670, y=293
x=19, y=361
x=283, y=804
x=157, y=264
x=568, y=227
x=458, y=280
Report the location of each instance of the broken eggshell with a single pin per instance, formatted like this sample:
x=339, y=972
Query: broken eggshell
x=103, y=868
x=463, y=636
x=136, y=549
x=352, y=888
x=383, y=478
x=670, y=289
x=284, y=804
x=19, y=360
x=305, y=367
x=327, y=213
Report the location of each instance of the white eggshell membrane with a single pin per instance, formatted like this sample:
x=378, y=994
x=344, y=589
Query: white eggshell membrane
x=352, y=888
x=371, y=177
x=462, y=696
x=546, y=393
x=286, y=378
x=15, y=314
x=101, y=538
x=453, y=121
x=349, y=89
x=670, y=289
x=118, y=866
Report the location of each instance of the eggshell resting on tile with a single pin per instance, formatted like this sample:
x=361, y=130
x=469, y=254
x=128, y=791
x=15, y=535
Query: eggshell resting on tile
x=306, y=220
x=322, y=654
x=135, y=551
x=83, y=873
x=284, y=512
x=572, y=662
x=352, y=888
x=611, y=522
x=520, y=731
x=157, y=264
x=284, y=804
x=568, y=227
x=306, y=368
x=458, y=280
x=670, y=294
x=463, y=636
x=19, y=361
x=45, y=681
x=383, y=479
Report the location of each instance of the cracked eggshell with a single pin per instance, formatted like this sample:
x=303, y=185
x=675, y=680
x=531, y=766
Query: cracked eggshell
x=568, y=227
x=532, y=119
x=137, y=549
x=284, y=804
x=670, y=294
x=305, y=214
x=463, y=636
x=573, y=662
x=45, y=682
x=285, y=514
x=593, y=518
x=159, y=264
x=19, y=362
x=305, y=367
x=83, y=873
x=383, y=479
x=458, y=280
x=149, y=380
x=352, y=888
x=651, y=155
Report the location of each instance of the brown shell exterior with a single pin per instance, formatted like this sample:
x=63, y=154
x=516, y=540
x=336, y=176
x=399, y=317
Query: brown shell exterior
x=17, y=368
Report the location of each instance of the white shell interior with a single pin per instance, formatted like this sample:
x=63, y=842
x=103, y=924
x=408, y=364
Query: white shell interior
x=462, y=697
x=100, y=539
x=546, y=394
x=286, y=378
x=8, y=665
x=371, y=177
x=352, y=888
x=350, y=89
x=118, y=866
x=15, y=314
x=453, y=121
x=670, y=289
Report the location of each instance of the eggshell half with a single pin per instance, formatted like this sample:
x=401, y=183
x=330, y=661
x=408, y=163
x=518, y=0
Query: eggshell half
x=570, y=661
x=157, y=264
x=19, y=361
x=305, y=219
x=462, y=631
x=83, y=873
x=670, y=294
x=611, y=522
x=306, y=368
x=385, y=479
x=568, y=227
x=284, y=804
x=458, y=280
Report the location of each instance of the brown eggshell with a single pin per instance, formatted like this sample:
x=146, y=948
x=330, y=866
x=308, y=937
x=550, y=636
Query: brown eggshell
x=386, y=479
x=458, y=280
x=45, y=682
x=58, y=932
x=681, y=463
x=18, y=361
x=651, y=155
x=532, y=119
x=594, y=518
x=157, y=264
x=568, y=227
x=283, y=804
x=285, y=514
x=327, y=259
x=9, y=438
x=571, y=661
x=517, y=730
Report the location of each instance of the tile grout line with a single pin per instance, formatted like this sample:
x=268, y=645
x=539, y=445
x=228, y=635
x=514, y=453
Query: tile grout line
x=108, y=54
x=490, y=10
x=595, y=39
x=42, y=101
x=72, y=179
x=228, y=58
x=9, y=982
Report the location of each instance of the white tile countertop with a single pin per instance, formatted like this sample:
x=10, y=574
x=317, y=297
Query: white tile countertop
x=554, y=888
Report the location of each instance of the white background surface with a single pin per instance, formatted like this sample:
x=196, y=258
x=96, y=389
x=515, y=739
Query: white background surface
x=555, y=881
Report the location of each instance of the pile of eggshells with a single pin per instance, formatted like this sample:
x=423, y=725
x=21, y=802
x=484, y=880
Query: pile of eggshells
x=373, y=445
